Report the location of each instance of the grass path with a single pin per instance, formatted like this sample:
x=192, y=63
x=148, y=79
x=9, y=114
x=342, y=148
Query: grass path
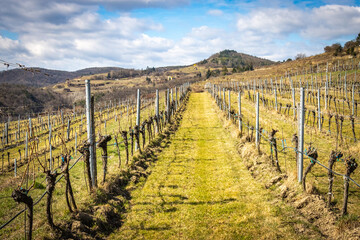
x=199, y=189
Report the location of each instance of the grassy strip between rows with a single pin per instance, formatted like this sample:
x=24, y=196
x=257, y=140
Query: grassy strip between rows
x=270, y=119
x=311, y=204
x=200, y=189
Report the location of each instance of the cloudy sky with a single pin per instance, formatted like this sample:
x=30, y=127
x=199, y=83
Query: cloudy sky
x=70, y=35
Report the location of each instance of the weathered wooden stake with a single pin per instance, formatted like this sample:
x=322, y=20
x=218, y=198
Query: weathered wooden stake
x=319, y=111
x=118, y=149
x=239, y=110
x=138, y=106
x=90, y=132
x=294, y=104
x=229, y=108
x=15, y=167
x=301, y=135
x=257, y=128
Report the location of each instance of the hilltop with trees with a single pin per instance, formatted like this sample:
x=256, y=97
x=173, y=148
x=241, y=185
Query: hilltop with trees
x=234, y=60
x=349, y=47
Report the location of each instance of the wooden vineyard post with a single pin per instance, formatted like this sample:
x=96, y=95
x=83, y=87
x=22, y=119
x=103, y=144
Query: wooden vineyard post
x=353, y=100
x=176, y=98
x=224, y=103
x=30, y=128
x=19, y=150
x=171, y=101
x=326, y=92
x=276, y=103
x=74, y=111
x=239, y=110
x=18, y=129
x=76, y=142
x=131, y=133
x=68, y=130
x=229, y=109
x=345, y=87
x=254, y=88
x=301, y=135
x=352, y=119
x=137, y=146
x=157, y=111
x=319, y=110
x=15, y=167
x=167, y=105
x=26, y=146
x=257, y=128
x=117, y=148
x=263, y=98
x=50, y=149
x=62, y=116
x=294, y=104
x=91, y=132
x=6, y=133
x=171, y=96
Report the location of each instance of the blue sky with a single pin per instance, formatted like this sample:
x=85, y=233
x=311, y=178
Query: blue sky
x=70, y=35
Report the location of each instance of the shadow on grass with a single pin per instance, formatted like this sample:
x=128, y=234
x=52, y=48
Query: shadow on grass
x=193, y=203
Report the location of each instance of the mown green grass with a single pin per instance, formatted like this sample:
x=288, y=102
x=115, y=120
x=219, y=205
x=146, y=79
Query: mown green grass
x=199, y=189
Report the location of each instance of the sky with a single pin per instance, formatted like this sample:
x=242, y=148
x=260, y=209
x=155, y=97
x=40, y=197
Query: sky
x=71, y=35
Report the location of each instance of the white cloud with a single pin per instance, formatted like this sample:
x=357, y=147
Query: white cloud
x=10, y=50
x=205, y=33
x=279, y=33
x=325, y=22
x=132, y=4
x=271, y=21
x=70, y=35
x=7, y=44
x=332, y=21
x=198, y=44
x=215, y=12
x=85, y=35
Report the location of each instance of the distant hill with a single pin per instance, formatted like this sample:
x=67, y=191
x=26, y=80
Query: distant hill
x=22, y=100
x=40, y=77
x=233, y=59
